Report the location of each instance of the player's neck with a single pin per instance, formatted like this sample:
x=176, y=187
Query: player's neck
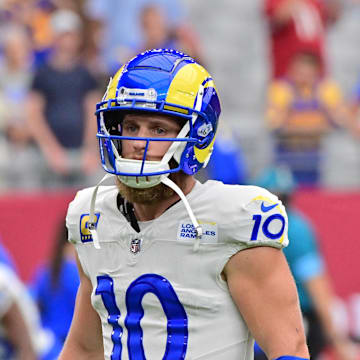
x=147, y=212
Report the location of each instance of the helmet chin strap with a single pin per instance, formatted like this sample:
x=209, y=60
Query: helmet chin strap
x=165, y=180
x=92, y=218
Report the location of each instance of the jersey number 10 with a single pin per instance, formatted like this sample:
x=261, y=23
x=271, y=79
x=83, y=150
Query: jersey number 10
x=265, y=227
x=177, y=323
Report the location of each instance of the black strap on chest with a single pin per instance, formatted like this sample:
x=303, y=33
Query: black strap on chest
x=127, y=209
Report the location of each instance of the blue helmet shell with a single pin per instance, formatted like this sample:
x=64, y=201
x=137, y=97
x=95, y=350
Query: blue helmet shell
x=167, y=82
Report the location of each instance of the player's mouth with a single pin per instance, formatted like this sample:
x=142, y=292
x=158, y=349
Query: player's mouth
x=148, y=158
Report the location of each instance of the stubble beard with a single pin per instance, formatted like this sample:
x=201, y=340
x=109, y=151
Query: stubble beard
x=144, y=196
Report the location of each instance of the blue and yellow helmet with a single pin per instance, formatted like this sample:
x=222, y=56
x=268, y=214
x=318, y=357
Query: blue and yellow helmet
x=167, y=82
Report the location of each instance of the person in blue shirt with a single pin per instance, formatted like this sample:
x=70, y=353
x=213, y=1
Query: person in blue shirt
x=55, y=286
x=120, y=24
x=21, y=335
x=308, y=268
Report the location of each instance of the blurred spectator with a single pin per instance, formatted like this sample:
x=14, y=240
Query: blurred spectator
x=119, y=28
x=17, y=153
x=302, y=108
x=75, y=6
x=317, y=299
x=21, y=336
x=355, y=110
x=157, y=32
x=298, y=25
x=90, y=40
x=55, y=286
x=13, y=322
x=61, y=106
x=38, y=23
x=15, y=12
x=34, y=17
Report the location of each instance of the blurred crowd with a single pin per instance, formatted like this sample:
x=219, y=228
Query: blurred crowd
x=56, y=57
x=55, y=60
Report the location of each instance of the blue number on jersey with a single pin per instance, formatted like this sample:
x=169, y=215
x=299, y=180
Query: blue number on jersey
x=177, y=323
x=105, y=288
x=265, y=228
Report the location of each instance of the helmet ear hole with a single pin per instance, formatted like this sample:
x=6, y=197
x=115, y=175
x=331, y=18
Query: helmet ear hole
x=113, y=121
x=113, y=124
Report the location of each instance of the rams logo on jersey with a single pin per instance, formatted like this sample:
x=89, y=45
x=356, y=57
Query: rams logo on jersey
x=84, y=227
x=186, y=231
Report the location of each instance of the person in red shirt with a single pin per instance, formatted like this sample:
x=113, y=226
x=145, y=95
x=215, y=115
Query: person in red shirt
x=298, y=25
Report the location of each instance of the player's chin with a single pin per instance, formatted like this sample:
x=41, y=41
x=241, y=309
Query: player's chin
x=145, y=196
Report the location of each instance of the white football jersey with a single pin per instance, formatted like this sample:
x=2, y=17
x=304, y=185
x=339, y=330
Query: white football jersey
x=156, y=296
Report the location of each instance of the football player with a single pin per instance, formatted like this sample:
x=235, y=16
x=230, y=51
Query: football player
x=21, y=334
x=171, y=268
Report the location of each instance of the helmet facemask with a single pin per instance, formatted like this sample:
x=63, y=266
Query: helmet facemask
x=144, y=173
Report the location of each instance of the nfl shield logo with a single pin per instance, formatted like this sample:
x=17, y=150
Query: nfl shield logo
x=135, y=246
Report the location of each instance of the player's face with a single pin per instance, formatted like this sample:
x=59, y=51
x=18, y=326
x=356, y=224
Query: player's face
x=148, y=125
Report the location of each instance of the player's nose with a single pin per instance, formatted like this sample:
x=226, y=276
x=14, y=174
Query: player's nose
x=140, y=145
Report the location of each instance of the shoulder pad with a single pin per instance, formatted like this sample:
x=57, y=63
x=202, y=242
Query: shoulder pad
x=78, y=213
x=260, y=219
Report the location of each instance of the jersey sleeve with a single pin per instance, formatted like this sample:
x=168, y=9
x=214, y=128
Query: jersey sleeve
x=77, y=217
x=260, y=219
x=77, y=223
x=72, y=222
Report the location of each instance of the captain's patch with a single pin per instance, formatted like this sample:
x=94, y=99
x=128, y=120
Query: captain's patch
x=85, y=234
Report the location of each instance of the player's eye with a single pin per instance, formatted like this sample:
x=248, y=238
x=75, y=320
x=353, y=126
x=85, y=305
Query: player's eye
x=159, y=131
x=130, y=128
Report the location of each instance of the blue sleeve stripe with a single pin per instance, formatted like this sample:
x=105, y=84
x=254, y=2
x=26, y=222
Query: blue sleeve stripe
x=308, y=266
